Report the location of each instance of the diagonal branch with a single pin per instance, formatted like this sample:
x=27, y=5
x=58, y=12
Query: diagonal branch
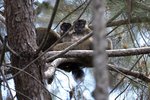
x=126, y=21
x=43, y=43
x=131, y=73
x=69, y=48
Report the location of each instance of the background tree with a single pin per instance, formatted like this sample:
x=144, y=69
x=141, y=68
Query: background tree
x=101, y=92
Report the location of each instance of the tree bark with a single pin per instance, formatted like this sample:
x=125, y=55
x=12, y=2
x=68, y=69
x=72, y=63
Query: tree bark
x=100, y=59
x=22, y=39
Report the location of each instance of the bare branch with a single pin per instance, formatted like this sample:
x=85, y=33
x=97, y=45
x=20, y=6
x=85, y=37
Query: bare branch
x=141, y=5
x=111, y=53
x=57, y=62
x=131, y=73
x=128, y=52
x=70, y=14
x=60, y=61
x=1, y=61
x=132, y=21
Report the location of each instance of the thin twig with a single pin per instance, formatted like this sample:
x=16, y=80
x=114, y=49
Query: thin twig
x=123, y=91
x=43, y=43
x=20, y=70
x=70, y=14
x=1, y=61
x=117, y=70
x=69, y=48
x=124, y=76
x=20, y=93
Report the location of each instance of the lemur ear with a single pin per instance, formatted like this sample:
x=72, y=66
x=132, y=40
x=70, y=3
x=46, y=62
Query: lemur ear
x=80, y=21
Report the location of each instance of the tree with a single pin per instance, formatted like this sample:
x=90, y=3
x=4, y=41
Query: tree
x=22, y=39
x=101, y=90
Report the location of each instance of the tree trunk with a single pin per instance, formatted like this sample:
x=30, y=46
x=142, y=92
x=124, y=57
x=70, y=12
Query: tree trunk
x=100, y=59
x=22, y=39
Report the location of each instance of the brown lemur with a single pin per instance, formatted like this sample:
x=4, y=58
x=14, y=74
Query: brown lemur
x=53, y=37
x=79, y=30
x=64, y=27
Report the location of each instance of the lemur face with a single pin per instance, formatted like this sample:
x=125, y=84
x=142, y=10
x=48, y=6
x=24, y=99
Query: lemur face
x=65, y=27
x=79, y=26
